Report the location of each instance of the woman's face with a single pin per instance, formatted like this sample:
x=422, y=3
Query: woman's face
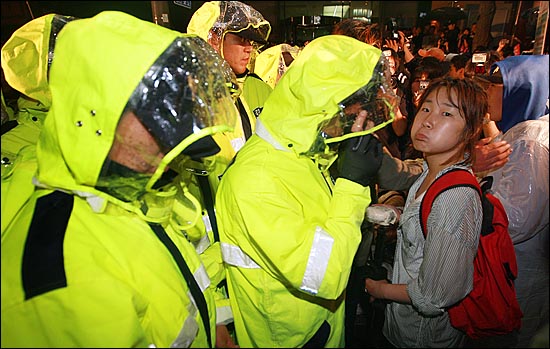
x=438, y=126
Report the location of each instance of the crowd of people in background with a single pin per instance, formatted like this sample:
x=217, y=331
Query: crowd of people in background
x=210, y=188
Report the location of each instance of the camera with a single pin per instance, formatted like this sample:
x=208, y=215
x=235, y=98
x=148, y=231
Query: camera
x=480, y=69
x=479, y=57
x=392, y=29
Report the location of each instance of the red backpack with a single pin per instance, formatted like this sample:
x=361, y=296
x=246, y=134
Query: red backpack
x=491, y=308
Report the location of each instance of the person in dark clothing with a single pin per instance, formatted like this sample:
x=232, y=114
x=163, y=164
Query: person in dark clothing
x=452, y=37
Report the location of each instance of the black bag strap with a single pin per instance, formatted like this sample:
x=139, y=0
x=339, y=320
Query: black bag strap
x=192, y=284
x=207, y=195
x=247, y=128
x=208, y=198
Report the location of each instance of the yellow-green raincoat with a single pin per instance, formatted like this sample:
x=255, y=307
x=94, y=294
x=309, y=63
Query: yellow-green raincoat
x=80, y=267
x=221, y=17
x=26, y=58
x=288, y=234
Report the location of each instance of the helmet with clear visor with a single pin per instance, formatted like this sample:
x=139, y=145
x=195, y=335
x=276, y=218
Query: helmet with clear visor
x=181, y=101
x=222, y=17
x=365, y=111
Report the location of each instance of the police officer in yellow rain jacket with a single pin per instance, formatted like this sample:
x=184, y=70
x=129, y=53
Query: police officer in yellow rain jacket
x=236, y=31
x=97, y=257
x=288, y=233
x=26, y=61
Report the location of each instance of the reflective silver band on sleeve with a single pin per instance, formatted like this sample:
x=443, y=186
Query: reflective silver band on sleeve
x=190, y=328
x=202, y=277
x=204, y=241
x=318, y=261
x=233, y=255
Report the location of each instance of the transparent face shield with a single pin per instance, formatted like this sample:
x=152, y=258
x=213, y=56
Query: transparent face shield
x=367, y=110
x=181, y=101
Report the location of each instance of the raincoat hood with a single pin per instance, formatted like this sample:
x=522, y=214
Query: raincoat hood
x=118, y=67
x=309, y=94
x=27, y=56
x=222, y=17
x=270, y=63
x=526, y=86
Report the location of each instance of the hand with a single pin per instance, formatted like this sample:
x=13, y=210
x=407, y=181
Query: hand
x=223, y=338
x=399, y=123
x=374, y=288
x=402, y=40
x=393, y=44
x=359, y=159
x=490, y=156
x=502, y=43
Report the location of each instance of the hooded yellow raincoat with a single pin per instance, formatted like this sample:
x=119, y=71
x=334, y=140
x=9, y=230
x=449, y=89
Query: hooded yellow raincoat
x=222, y=17
x=25, y=62
x=81, y=268
x=271, y=64
x=26, y=59
x=250, y=93
x=288, y=234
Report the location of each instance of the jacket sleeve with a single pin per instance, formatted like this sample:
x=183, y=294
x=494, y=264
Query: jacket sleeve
x=307, y=243
x=397, y=174
x=213, y=263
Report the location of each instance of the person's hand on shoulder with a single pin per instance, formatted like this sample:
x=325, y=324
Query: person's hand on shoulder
x=490, y=156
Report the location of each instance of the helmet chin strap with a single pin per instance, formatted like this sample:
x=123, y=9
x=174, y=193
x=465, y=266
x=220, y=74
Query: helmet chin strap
x=186, y=211
x=217, y=42
x=324, y=161
x=173, y=203
x=180, y=148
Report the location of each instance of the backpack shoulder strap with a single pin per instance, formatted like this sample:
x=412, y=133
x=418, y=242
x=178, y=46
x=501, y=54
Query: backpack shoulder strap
x=494, y=213
x=451, y=179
